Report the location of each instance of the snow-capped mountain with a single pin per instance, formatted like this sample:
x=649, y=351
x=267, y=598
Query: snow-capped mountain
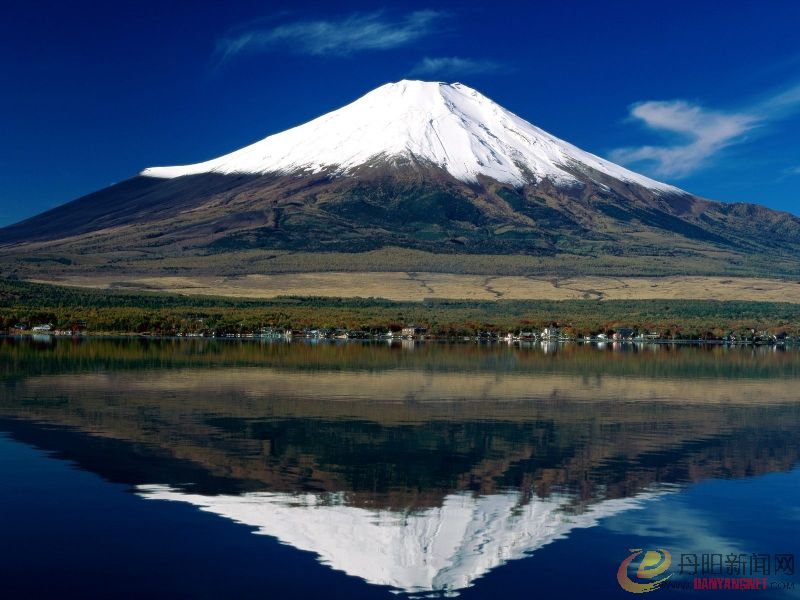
x=431, y=167
x=450, y=126
x=440, y=549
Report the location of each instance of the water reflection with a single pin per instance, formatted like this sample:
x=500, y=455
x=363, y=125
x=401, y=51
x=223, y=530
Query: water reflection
x=436, y=549
x=418, y=470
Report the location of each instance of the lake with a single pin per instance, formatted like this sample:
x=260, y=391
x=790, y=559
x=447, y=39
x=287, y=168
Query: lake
x=223, y=468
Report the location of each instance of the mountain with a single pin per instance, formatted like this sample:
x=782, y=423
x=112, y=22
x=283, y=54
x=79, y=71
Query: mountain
x=412, y=169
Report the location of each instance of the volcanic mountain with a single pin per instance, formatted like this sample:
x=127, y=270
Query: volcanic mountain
x=412, y=169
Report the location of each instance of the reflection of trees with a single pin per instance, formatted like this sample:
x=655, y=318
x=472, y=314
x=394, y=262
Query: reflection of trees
x=278, y=430
x=647, y=361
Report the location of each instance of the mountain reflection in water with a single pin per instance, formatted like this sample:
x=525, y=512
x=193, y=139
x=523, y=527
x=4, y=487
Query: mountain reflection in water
x=442, y=548
x=417, y=470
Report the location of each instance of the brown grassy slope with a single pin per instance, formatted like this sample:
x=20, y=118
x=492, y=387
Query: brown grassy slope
x=417, y=286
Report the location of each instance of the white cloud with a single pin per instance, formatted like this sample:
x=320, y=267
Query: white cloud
x=454, y=65
x=355, y=33
x=702, y=133
x=789, y=172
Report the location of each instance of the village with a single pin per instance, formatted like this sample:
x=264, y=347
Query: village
x=417, y=333
x=550, y=334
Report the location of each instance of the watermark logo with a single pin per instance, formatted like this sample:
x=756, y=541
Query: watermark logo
x=652, y=564
x=708, y=571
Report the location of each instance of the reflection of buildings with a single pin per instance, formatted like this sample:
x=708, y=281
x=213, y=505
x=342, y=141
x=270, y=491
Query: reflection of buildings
x=550, y=347
x=442, y=549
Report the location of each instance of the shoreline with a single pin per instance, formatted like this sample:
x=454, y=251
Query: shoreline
x=788, y=343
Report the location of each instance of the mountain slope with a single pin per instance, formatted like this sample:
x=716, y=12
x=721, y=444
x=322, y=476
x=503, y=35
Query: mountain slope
x=423, y=166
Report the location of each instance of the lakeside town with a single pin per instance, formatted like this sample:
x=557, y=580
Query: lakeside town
x=412, y=332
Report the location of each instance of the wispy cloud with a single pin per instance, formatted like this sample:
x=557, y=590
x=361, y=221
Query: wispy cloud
x=704, y=133
x=789, y=172
x=357, y=32
x=700, y=133
x=454, y=65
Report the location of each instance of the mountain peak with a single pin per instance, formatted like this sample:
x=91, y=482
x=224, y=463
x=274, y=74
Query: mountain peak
x=447, y=125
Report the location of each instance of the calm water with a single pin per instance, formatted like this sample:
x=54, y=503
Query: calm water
x=217, y=469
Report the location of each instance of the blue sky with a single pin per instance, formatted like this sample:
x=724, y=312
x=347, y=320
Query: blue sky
x=703, y=94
